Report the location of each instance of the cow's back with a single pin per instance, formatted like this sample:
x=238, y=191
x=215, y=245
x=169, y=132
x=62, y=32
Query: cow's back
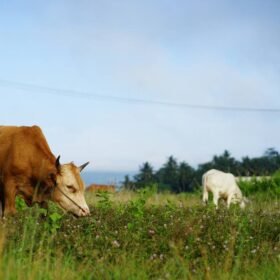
x=220, y=181
x=24, y=149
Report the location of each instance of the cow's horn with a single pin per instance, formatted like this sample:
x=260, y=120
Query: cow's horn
x=57, y=163
x=83, y=166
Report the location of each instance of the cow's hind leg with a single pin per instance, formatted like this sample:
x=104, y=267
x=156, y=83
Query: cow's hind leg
x=204, y=187
x=205, y=196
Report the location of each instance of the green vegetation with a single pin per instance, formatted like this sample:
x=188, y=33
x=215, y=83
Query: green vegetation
x=144, y=235
x=181, y=177
x=264, y=187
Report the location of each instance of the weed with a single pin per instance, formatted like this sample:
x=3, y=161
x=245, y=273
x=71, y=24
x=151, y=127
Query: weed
x=171, y=237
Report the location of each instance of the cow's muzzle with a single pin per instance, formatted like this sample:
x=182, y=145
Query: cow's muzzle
x=82, y=212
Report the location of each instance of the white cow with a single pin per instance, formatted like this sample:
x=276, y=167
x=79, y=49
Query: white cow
x=222, y=185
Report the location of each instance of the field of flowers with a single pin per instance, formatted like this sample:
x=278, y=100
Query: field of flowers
x=144, y=235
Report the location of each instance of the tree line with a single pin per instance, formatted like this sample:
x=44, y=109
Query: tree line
x=181, y=177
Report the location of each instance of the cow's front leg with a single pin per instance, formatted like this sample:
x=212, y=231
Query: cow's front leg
x=1, y=208
x=1, y=201
x=44, y=205
x=9, y=198
x=216, y=199
x=229, y=198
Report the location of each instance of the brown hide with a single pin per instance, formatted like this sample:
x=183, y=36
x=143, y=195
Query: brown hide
x=27, y=166
x=104, y=188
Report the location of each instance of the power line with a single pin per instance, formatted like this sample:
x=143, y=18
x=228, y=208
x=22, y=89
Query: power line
x=81, y=94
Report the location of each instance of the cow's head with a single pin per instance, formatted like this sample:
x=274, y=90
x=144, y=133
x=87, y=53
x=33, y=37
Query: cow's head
x=69, y=190
x=243, y=202
x=239, y=199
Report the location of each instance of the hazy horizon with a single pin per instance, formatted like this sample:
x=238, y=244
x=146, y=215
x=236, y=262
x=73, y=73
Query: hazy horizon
x=105, y=177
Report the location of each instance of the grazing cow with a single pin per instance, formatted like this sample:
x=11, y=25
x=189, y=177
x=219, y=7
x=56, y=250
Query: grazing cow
x=103, y=188
x=222, y=185
x=30, y=170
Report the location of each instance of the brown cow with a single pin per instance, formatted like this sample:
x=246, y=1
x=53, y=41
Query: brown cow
x=29, y=169
x=104, y=188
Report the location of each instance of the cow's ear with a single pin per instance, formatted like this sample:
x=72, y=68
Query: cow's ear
x=83, y=166
x=57, y=163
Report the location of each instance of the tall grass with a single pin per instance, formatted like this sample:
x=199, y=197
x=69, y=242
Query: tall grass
x=144, y=236
x=264, y=187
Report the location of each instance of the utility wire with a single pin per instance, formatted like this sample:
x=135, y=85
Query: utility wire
x=88, y=95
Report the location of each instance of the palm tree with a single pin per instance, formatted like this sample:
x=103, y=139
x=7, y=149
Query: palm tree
x=168, y=175
x=145, y=176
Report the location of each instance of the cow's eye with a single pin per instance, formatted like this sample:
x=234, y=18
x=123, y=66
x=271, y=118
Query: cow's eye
x=71, y=188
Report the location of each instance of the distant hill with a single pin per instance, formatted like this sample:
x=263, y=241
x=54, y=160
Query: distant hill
x=105, y=177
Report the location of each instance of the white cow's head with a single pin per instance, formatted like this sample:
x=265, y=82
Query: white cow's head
x=238, y=198
x=69, y=190
x=243, y=202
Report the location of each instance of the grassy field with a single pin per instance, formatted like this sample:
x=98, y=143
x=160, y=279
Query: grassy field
x=144, y=236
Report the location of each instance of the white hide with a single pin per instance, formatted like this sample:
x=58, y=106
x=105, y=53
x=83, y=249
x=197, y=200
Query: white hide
x=222, y=185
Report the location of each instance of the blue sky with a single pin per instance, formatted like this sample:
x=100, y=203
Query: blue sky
x=220, y=53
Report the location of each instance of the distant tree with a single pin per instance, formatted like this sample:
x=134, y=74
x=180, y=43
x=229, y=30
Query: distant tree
x=259, y=166
x=127, y=184
x=145, y=176
x=182, y=177
x=246, y=168
x=186, y=176
x=273, y=157
x=224, y=162
x=202, y=168
x=271, y=153
x=168, y=175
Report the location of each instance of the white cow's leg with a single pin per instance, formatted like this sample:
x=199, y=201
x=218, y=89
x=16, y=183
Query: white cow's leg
x=205, y=196
x=216, y=199
x=229, y=198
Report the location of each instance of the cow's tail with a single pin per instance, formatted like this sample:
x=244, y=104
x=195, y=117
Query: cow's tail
x=204, y=189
